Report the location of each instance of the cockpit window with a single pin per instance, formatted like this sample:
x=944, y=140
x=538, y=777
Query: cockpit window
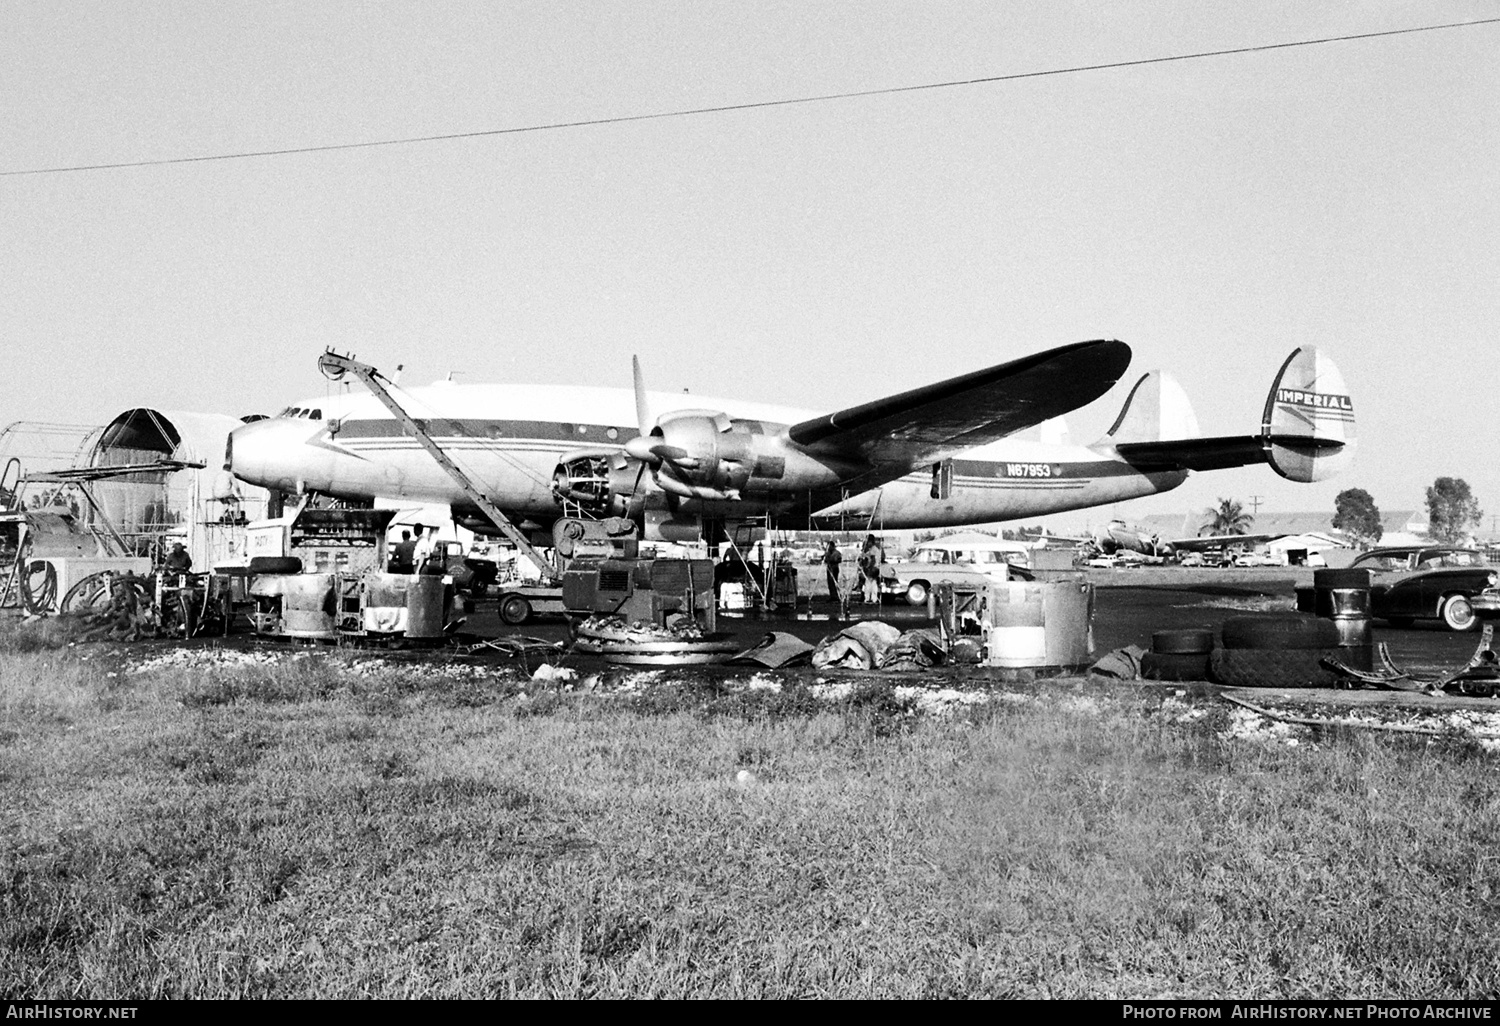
x=316, y=414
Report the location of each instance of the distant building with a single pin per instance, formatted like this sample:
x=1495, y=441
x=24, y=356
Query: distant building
x=1399, y=527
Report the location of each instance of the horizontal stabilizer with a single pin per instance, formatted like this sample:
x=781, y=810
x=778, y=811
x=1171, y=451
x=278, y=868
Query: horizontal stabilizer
x=1194, y=453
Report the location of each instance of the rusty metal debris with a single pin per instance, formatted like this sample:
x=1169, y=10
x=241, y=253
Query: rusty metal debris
x=1480, y=676
x=638, y=643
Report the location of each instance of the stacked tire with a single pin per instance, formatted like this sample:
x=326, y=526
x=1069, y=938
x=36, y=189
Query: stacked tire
x=1178, y=655
x=1276, y=651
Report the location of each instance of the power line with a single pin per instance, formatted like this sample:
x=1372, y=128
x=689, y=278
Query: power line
x=756, y=105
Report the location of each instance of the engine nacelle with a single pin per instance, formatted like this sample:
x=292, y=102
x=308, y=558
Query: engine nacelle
x=703, y=455
x=605, y=482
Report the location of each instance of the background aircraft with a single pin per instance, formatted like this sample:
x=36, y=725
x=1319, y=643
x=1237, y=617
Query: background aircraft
x=1118, y=536
x=935, y=456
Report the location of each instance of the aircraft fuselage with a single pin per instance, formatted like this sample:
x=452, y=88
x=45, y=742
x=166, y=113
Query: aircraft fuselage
x=510, y=439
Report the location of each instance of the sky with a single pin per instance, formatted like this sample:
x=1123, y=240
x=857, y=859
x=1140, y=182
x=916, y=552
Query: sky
x=1213, y=213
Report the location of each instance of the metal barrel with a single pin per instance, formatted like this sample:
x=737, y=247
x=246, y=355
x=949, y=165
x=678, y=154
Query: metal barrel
x=1337, y=603
x=1035, y=624
x=1343, y=596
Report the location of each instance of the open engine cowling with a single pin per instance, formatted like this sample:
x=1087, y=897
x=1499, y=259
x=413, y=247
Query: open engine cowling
x=604, y=482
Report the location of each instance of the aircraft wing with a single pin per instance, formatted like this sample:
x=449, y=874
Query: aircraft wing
x=1212, y=453
x=1048, y=536
x=1214, y=541
x=894, y=435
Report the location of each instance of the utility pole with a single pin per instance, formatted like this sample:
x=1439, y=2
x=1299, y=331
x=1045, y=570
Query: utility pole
x=1255, y=501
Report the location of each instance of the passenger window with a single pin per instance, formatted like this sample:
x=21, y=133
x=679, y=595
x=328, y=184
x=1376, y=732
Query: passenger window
x=317, y=414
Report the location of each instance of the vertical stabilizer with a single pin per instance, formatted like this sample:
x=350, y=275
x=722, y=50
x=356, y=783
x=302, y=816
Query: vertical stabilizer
x=1308, y=424
x=1156, y=409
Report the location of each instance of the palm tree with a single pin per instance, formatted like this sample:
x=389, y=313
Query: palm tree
x=1229, y=518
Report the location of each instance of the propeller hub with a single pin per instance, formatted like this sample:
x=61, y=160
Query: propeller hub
x=643, y=448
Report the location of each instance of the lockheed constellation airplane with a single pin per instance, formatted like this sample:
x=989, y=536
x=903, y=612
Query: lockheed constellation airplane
x=684, y=467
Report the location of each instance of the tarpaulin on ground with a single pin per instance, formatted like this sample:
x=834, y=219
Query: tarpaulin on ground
x=1122, y=663
x=775, y=650
x=855, y=648
x=914, y=650
x=873, y=645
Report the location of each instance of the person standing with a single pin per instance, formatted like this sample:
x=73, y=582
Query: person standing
x=402, y=553
x=421, y=548
x=831, y=561
x=870, y=559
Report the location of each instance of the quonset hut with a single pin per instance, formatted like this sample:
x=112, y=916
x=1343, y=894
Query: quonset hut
x=205, y=509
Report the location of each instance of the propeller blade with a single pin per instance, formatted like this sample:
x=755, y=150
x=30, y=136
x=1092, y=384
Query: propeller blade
x=675, y=456
x=642, y=408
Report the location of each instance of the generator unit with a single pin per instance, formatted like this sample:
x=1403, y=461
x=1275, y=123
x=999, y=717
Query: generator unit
x=370, y=605
x=649, y=590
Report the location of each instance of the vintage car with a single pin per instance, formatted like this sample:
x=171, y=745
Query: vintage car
x=1427, y=582
x=935, y=562
x=470, y=574
x=1254, y=559
x=1487, y=604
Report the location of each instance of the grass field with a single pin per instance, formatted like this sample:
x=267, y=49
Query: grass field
x=322, y=826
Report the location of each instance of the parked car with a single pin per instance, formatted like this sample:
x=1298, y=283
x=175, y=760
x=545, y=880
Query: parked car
x=935, y=562
x=1254, y=559
x=1487, y=604
x=1191, y=559
x=1438, y=582
x=470, y=574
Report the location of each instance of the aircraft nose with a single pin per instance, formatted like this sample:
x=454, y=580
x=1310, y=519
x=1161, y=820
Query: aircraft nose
x=251, y=453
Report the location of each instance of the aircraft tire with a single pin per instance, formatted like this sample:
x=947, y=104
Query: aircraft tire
x=1175, y=666
x=1273, y=668
x=514, y=610
x=1458, y=614
x=1284, y=631
x=88, y=595
x=1193, y=641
